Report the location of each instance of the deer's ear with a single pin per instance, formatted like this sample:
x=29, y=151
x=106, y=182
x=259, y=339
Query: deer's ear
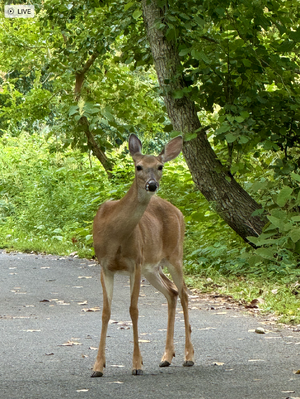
x=172, y=149
x=135, y=146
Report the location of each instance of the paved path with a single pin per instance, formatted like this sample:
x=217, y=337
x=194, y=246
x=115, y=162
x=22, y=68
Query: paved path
x=44, y=305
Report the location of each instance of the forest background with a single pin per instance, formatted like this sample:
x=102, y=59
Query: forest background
x=79, y=77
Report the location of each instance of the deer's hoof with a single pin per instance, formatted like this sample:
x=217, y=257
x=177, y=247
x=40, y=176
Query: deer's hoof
x=97, y=374
x=165, y=363
x=137, y=372
x=188, y=363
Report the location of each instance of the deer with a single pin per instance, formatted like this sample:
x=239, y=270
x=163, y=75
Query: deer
x=139, y=235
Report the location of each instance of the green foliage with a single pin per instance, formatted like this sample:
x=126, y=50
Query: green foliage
x=48, y=201
x=45, y=199
x=240, y=66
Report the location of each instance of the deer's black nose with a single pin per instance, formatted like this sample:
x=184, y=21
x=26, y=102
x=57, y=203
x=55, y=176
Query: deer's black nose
x=152, y=185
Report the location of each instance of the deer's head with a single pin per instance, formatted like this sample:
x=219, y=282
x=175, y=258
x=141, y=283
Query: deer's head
x=148, y=168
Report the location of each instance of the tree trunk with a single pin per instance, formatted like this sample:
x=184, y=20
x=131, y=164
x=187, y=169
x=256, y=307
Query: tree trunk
x=105, y=162
x=80, y=76
x=217, y=184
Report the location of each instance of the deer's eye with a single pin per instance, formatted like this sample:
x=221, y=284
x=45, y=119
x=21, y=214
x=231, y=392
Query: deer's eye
x=160, y=167
x=139, y=167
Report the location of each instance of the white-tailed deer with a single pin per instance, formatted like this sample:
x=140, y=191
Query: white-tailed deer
x=138, y=235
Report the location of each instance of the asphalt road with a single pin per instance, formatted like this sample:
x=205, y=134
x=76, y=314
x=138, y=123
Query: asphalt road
x=50, y=326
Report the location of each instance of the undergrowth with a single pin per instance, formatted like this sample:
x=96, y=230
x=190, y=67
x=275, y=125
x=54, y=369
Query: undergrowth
x=48, y=201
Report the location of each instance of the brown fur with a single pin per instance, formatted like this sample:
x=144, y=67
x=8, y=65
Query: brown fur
x=140, y=234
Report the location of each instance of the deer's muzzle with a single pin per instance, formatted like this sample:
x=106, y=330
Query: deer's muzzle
x=152, y=185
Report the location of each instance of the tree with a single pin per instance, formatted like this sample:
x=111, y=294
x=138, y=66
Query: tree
x=232, y=63
x=172, y=29
x=61, y=71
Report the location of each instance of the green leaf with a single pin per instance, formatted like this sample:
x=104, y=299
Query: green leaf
x=197, y=216
x=230, y=138
x=295, y=35
x=128, y=5
x=243, y=139
x=239, y=119
x=284, y=195
x=246, y=62
x=73, y=110
x=199, y=55
x=171, y=34
x=266, y=253
x=279, y=223
x=137, y=13
x=184, y=51
x=190, y=136
x=178, y=94
x=244, y=114
x=168, y=128
x=286, y=46
x=199, y=21
x=223, y=128
x=295, y=176
x=295, y=235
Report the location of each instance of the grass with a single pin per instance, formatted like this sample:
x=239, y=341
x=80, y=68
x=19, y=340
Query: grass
x=48, y=201
x=278, y=298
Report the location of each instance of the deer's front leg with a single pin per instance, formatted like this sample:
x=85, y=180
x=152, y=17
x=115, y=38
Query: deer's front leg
x=107, y=281
x=137, y=361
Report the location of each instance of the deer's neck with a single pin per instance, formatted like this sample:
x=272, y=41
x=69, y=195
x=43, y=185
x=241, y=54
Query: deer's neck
x=132, y=207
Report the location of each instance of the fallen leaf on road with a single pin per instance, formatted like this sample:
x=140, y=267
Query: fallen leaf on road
x=288, y=391
x=45, y=300
x=93, y=348
x=260, y=330
x=296, y=371
x=84, y=276
x=112, y=322
x=95, y=309
x=49, y=354
x=218, y=364
x=82, y=303
x=62, y=303
x=70, y=343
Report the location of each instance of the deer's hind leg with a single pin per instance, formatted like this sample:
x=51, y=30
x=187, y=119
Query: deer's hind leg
x=175, y=269
x=156, y=277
